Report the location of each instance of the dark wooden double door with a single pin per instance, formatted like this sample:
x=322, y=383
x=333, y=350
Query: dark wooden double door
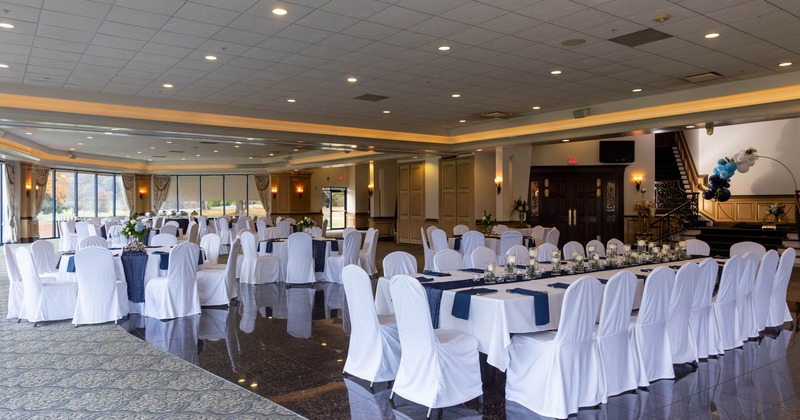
x=584, y=202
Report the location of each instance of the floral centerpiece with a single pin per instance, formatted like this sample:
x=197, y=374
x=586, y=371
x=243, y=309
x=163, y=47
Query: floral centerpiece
x=777, y=211
x=135, y=231
x=644, y=208
x=306, y=223
x=521, y=207
x=488, y=222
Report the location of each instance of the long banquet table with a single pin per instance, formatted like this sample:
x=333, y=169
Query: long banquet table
x=494, y=317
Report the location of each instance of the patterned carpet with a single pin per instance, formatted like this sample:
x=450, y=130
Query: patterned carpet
x=57, y=371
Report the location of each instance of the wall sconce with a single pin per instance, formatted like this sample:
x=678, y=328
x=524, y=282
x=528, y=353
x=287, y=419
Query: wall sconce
x=142, y=192
x=28, y=190
x=300, y=191
x=637, y=179
x=274, y=192
x=370, y=189
x=498, y=181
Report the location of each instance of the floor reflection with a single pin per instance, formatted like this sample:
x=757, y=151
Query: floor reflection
x=289, y=345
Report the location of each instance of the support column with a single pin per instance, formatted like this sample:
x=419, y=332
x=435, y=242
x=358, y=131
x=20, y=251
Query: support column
x=26, y=193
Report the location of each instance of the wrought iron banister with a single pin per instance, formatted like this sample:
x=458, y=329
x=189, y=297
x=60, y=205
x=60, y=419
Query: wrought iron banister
x=682, y=217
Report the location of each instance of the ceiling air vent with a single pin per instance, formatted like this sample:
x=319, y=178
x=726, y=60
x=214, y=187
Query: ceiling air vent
x=177, y=151
x=496, y=114
x=159, y=156
x=371, y=98
x=703, y=77
x=208, y=142
x=645, y=36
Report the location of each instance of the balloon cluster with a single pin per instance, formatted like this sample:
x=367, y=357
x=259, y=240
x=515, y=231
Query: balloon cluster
x=725, y=169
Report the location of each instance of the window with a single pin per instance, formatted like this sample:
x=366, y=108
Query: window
x=212, y=196
x=171, y=202
x=87, y=195
x=235, y=194
x=46, y=216
x=121, y=207
x=105, y=195
x=254, y=206
x=334, y=206
x=189, y=193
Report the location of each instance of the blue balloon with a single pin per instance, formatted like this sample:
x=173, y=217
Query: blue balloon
x=715, y=171
x=721, y=162
x=724, y=195
x=730, y=167
x=708, y=194
x=724, y=174
x=721, y=168
x=715, y=179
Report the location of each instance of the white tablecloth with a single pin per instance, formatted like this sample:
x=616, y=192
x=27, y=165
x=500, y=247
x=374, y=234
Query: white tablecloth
x=491, y=243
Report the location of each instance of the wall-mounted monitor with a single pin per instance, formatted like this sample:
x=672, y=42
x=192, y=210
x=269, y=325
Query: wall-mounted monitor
x=617, y=151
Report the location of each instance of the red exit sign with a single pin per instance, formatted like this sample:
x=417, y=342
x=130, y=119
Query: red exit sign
x=572, y=161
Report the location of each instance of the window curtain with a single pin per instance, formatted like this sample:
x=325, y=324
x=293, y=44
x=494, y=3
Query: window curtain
x=161, y=184
x=262, y=185
x=11, y=180
x=129, y=182
x=40, y=175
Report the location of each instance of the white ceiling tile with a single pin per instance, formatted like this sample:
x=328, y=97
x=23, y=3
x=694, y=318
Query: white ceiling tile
x=302, y=33
x=230, y=35
x=57, y=44
x=22, y=13
x=510, y=23
x=320, y=19
x=474, y=36
x=126, y=31
x=56, y=55
x=544, y=32
x=548, y=10
x=65, y=20
x=206, y=14
x=359, y=9
x=326, y=53
x=145, y=66
x=303, y=61
x=14, y=38
x=103, y=61
x=72, y=35
x=473, y=13
x=163, y=49
x=164, y=7
x=431, y=7
x=399, y=17
x=180, y=40
x=438, y=27
x=188, y=27
x=265, y=54
x=48, y=62
x=345, y=42
x=235, y=5
x=137, y=17
x=584, y=19
x=257, y=24
x=86, y=8
x=110, y=52
x=284, y=45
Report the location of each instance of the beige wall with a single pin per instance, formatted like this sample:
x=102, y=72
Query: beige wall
x=329, y=177
x=485, y=193
x=432, y=188
x=385, y=198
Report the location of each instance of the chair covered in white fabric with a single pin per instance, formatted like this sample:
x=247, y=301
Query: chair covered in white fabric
x=778, y=310
x=699, y=318
x=257, y=269
x=438, y=368
x=44, y=257
x=348, y=230
x=428, y=231
x=499, y=229
x=290, y=220
x=82, y=230
x=546, y=252
x=552, y=236
x=15, y=289
x=217, y=286
x=745, y=312
x=349, y=255
x=272, y=233
x=93, y=230
x=172, y=223
x=697, y=247
x=224, y=231
x=108, y=224
x=261, y=229
x=202, y=227
x=241, y=223
x=300, y=268
x=447, y=260
x=537, y=233
x=266, y=220
x=102, y=297
x=620, y=246
x=210, y=243
x=115, y=237
x=460, y=229
x=163, y=239
x=573, y=247
x=192, y=233
x=169, y=229
x=95, y=241
x=175, y=295
x=427, y=250
x=43, y=301
x=741, y=248
x=507, y=240
x=439, y=240
x=555, y=373
x=724, y=334
x=284, y=228
x=613, y=334
x=650, y=338
x=374, y=353
x=599, y=248
x=522, y=255
x=158, y=221
x=481, y=257
x=315, y=232
x=68, y=240
x=681, y=340
x=469, y=241
x=399, y=262
x=762, y=291
x=366, y=257
x=324, y=227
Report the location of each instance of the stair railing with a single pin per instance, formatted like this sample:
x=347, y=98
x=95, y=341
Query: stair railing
x=677, y=220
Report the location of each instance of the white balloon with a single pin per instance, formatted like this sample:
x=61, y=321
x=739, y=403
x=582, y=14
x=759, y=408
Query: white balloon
x=735, y=157
x=755, y=157
x=751, y=159
x=743, y=169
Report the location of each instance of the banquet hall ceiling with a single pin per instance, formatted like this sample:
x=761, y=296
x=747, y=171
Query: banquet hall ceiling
x=502, y=55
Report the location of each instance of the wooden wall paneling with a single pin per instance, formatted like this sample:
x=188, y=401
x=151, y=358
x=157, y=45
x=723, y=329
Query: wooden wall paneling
x=416, y=201
x=447, y=198
x=403, y=203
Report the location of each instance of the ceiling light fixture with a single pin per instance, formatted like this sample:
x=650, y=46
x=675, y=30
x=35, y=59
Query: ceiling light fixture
x=291, y=100
x=139, y=153
x=29, y=133
x=444, y=48
x=152, y=147
x=690, y=126
x=249, y=157
x=198, y=155
x=238, y=142
x=462, y=121
x=455, y=95
x=211, y=57
x=169, y=142
x=236, y=146
x=555, y=72
x=250, y=138
x=4, y=66
x=712, y=35
x=565, y=141
x=479, y=150
x=785, y=64
x=296, y=150
x=71, y=148
x=6, y=25
x=278, y=11
x=115, y=129
x=386, y=111
x=216, y=151
x=637, y=90
x=536, y=108
x=89, y=137
x=661, y=18
x=272, y=154
x=80, y=143
x=108, y=133
x=352, y=79
x=168, y=85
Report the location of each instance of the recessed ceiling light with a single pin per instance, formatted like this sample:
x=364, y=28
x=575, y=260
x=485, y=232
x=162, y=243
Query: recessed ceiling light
x=80, y=143
x=637, y=90
x=565, y=141
x=238, y=142
x=115, y=129
x=462, y=121
x=108, y=133
x=444, y=48
x=3, y=66
x=386, y=111
x=785, y=64
x=71, y=148
x=352, y=79
x=139, y=153
x=183, y=158
x=278, y=11
x=690, y=126
x=89, y=137
x=250, y=138
x=249, y=157
x=128, y=156
x=169, y=142
x=712, y=35
x=291, y=100
x=479, y=150
x=149, y=160
x=555, y=72
x=216, y=151
x=6, y=25
x=354, y=146
x=455, y=95
x=152, y=147
x=168, y=85
x=272, y=154
x=296, y=150
x=416, y=157
x=536, y=108
x=211, y=57
x=29, y=134
x=236, y=146
x=198, y=155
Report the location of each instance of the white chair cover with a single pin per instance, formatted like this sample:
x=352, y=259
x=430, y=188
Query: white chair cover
x=428, y=252
x=699, y=319
x=175, y=295
x=210, y=244
x=82, y=230
x=115, y=237
x=762, y=291
x=300, y=268
x=93, y=241
x=650, y=339
x=217, y=286
x=447, y=260
x=613, y=334
x=315, y=232
x=202, y=227
x=242, y=223
x=469, y=241
x=158, y=221
x=599, y=248
x=553, y=236
x=102, y=297
x=741, y=248
x=169, y=229
x=439, y=240
x=554, y=373
x=546, y=252
x=93, y=230
x=163, y=239
x=272, y=233
x=172, y=223
x=697, y=247
x=223, y=231
x=681, y=340
x=324, y=227
x=460, y=229
x=399, y=262
x=573, y=247
x=267, y=221
x=745, y=313
x=374, y=352
x=290, y=220
x=366, y=258
x=521, y=254
x=284, y=228
x=44, y=257
x=192, y=232
x=778, y=310
x=538, y=234
x=68, y=240
x=481, y=257
x=48, y=301
x=429, y=230
x=261, y=228
x=278, y=219
x=724, y=335
x=499, y=229
x=15, y=289
x=617, y=242
x=257, y=269
x=507, y=240
x=349, y=255
x=438, y=368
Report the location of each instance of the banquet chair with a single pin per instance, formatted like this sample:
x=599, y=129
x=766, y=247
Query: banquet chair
x=284, y=228
x=537, y=233
x=460, y=229
x=267, y=221
x=172, y=223
x=44, y=258
x=374, y=353
x=192, y=232
x=366, y=257
x=272, y=233
x=681, y=340
x=499, y=229
x=697, y=247
x=426, y=249
x=447, y=260
x=349, y=255
x=555, y=373
x=256, y=269
x=102, y=297
x=68, y=241
x=82, y=230
x=324, y=227
x=163, y=239
x=158, y=221
x=469, y=241
x=93, y=241
x=439, y=240
x=699, y=317
x=399, y=262
x=546, y=251
x=224, y=231
x=745, y=312
x=507, y=240
x=613, y=334
x=316, y=232
x=762, y=291
x=175, y=295
x=15, y=289
x=93, y=231
x=650, y=339
x=553, y=236
x=521, y=254
x=242, y=223
x=778, y=309
x=741, y=248
x=217, y=285
x=110, y=225
x=210, y=244
x=723, y=333
x=599, y=248
x=278, y=219
x=438, y=368
x=202, y=227
x=428, y=231
x=573, y=247
x=290, y=221
x=299, y=306
x=261, y=228
x=620, y=246
x=481, y=257
x=169, y=230
x=300, y=268
x=43, y=301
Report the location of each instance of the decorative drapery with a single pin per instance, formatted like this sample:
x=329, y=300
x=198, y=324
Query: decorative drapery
x=129, y=183
x=11, y=175
x=161, y=184
x=39, y=175
x=262, y=185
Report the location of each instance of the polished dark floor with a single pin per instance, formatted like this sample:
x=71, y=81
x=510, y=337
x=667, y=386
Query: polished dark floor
x=289, y=345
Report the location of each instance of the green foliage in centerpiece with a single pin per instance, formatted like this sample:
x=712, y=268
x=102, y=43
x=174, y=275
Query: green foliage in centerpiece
x=306, y=223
